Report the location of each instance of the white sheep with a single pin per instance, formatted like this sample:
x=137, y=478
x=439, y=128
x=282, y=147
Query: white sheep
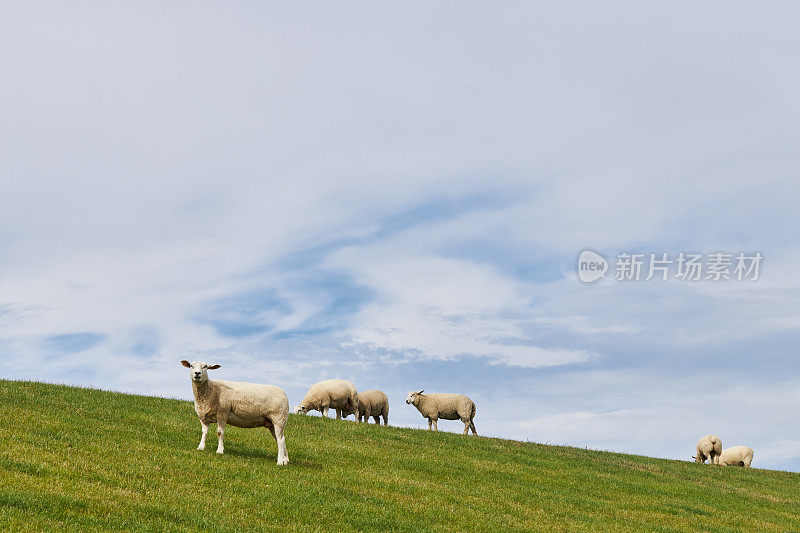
x=338, y=394
x=373, y=403
x=736, y=456
x=434, y=406
x=708, y=447
x=244, y=405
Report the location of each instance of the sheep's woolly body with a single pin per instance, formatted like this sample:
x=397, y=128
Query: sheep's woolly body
x=709, y=447
x=736, y=456
x=245, y=405
x=375, y=404
x=338, y=394
x=434, y=406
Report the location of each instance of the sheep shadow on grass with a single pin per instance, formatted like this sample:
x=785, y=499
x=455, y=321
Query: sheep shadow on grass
x=246, y=452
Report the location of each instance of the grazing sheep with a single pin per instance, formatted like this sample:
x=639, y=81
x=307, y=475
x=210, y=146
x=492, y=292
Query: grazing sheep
x=736, y=456
x=244, y=405
x=373, y=403
x=708, y=447
x=434, y=406
x=337, y=393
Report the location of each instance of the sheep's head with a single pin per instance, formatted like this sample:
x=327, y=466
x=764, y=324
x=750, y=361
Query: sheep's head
x=414, y=397
x=302, y=409
x=353, y=411
x=298, y=410
x=197, y=370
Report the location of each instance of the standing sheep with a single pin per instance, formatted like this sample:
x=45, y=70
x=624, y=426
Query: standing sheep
x=373, y=403
x=736, y=456
x=339, y=394
x=708, y=447
x=244, y=405
x=434, y=406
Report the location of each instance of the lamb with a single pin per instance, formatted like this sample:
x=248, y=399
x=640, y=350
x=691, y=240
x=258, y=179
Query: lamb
x=373, y=403
x=736, y=456
x=244, y=405
x=337, y=393
x=434, y=406
x=708, y=447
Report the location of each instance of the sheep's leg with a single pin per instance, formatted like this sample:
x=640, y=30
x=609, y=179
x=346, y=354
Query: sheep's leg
x=436, y=424
x=277, y=434
x=283, y=455
x=338, y=414
x=385, y=420
x=466, y=427
x=472, y=427
x=430, y=423
x=377, y=419
x=221, y=422
x=324, y=412
x=202, y=445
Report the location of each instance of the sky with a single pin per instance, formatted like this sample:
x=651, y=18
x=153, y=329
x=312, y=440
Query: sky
x=397, y=194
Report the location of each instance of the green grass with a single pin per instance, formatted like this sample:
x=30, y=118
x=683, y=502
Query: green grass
x=87, y=459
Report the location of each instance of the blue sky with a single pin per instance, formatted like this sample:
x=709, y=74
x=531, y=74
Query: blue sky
x=397, y=195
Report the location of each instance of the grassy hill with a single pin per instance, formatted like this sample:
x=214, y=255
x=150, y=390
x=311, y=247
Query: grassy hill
x=81, y=458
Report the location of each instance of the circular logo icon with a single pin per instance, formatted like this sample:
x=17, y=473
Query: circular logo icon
x=591, y=266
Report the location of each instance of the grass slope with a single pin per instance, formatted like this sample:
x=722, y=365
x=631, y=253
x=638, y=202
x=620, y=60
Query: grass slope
x=86, y=459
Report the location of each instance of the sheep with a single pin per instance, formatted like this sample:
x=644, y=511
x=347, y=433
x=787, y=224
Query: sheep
x=434, y=406
x=736, y=456
x=244, y=405
x=373, y=403
x=337, y=393
x=708, y=447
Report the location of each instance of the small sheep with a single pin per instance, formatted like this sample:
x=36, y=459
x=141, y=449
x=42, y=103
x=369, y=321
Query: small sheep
x=244, y=405
x=434, y=406
x=736, y=456
x=708, y=447
x=373, y=403
x=339, y=394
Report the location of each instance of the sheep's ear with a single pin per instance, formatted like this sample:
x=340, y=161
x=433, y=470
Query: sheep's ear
x=693, y=457
x=213, y=367
x=420, y=391
x=186, y=363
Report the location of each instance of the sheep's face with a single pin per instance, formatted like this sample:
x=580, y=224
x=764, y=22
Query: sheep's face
x=413, y=397
x=302, y=409
x=197, y=370
x=298, y=410
x=353, y=411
